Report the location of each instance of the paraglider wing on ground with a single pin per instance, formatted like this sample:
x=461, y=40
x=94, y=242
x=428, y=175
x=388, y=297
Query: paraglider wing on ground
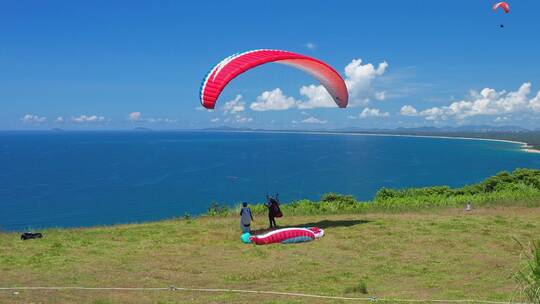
x=285, y=236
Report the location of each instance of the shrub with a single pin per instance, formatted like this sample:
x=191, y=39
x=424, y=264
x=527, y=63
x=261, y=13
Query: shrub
x=519, y=187
x=361, y=287
x=529, y=276
x=216, y=209
x=386, y=194
x=338, y=198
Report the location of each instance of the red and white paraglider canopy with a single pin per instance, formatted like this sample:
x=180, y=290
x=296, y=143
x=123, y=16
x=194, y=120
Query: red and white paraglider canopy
x=232, y=66
x=503, y=5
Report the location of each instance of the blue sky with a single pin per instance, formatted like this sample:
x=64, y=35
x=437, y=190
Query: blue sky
x=122, y=64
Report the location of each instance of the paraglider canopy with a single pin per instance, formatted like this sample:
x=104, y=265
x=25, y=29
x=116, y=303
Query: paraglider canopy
x=502, y=5
x=232, y=66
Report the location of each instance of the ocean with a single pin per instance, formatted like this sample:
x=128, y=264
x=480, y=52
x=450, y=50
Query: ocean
x=72, y=179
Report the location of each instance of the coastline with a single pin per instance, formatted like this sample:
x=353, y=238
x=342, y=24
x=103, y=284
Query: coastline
x=529, y=149
x=525, y=147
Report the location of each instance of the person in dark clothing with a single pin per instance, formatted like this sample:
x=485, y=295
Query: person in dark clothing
x=273, y=206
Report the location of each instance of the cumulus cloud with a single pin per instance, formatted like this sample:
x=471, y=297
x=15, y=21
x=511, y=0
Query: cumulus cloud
x=137, y=117
x=373, y=112
x=273, y=100
x=486, y=102
x=234, y=110
x=408, y=110
x=243, y=119
x=358, y=79
x=214, y=119
x=311, y=120
x=88, y=119
x=33, y=119
x=234, y=106
x=535, y=103
x=317, y=97
x=60, y=119
x=134, y=116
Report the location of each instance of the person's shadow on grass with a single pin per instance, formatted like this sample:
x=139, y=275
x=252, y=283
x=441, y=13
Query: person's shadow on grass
x=320, y=224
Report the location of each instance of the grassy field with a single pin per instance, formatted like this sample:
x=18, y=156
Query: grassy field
x=437, y=254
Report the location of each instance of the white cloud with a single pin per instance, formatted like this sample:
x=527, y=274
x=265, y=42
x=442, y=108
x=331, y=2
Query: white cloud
x=137, y=117
x=317, y=97
x=358, y=78
x=434, y=114
x=312, y=120
x=273, y=100
x=487, y=102
x=310, y=45
x=234, y=106
x=134, y=116
x=408, y=110
x=502, y=119
x=33, y=119
x=534, y=103
x=234, y=111
x=214, y=119
x=380, y=95
x=90, y=119
x=243, y=119
x=367, y=112
x=59, y=119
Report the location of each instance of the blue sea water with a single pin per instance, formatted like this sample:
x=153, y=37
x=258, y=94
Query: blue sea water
x=70, y=179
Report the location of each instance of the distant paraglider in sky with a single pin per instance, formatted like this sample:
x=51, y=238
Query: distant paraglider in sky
x=503, y=6
x=229, y=68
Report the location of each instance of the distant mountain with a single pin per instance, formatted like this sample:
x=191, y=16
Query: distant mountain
x=57, y=130
x=227, y=128
x=460, y=129
x=419, y=129
x=487, y=128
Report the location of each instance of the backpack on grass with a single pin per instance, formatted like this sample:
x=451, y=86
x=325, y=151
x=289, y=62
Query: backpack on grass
x=29, y=235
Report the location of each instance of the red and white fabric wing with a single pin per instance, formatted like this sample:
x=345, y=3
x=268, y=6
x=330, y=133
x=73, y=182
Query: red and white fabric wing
x=503, y=5
x=232, y=66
